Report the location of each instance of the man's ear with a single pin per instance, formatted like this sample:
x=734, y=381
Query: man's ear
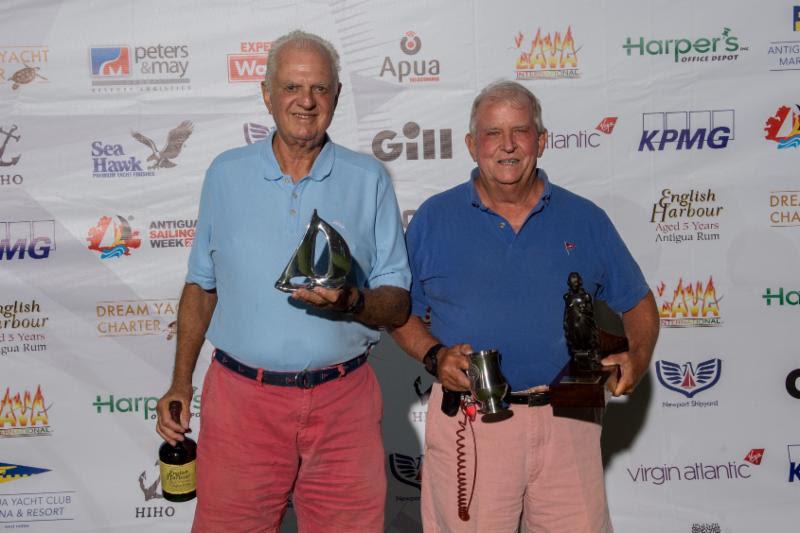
x=470, y=141
x=266, y=95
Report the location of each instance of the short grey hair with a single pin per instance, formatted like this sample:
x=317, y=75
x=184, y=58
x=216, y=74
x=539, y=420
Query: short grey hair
x=301, y=39
x=505, y=91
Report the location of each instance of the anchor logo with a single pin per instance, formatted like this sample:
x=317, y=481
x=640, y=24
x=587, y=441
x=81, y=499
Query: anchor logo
x=9, y=135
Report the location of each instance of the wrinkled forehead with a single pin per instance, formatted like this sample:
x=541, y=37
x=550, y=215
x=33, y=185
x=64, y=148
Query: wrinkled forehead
x=288, y=55
x=503, y=106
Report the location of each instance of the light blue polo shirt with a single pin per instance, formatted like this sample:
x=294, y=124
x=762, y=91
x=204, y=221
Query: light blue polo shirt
x=496, y=289
x=251, y=219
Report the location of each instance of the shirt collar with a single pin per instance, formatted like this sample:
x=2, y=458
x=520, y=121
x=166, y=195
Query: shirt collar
x=321, y=169
x=475, y=199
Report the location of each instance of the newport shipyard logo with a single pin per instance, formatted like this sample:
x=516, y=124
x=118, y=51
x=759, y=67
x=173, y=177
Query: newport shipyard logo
x=694, y=471
x=24, y=415
x=783, y=128
x=689, y=305
x=124, y=68
x=22, y=326
x=133, y=318
x=22, y=65
x=725, y=47
x=249, y=63
x=11, y=472
x=689, y=380
x=112, y=161
x=691, y=129
x=386, y=151
x=413, y=68
x=254, y=132
x=113, y=237
x=406, y=469
x=547, y=56
x=150, y=487
x=32, y=238
x=684, y=216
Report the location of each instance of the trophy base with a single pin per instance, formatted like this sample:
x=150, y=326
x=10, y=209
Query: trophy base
x=499, y=416
x=575, y=387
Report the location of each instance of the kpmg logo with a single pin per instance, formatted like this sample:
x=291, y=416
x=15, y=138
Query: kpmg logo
x=386, y=148
x=11, y=472
x=412, y=68
x=113, y=237
x=22, y=65
x=689, y=305
x=794, y=462
x=687, y=130
x=781, y=297
x=249, y=63
x=9, y=159
x=547, y=56
x=24, y=415
x=406, y=469
x=34, y=238
x=793, y=383
x=254, y=132
x=724, y=47
x=151, y=68
x=685, y=379
x=783, y=128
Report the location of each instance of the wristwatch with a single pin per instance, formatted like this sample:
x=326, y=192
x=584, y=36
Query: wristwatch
x=357, y=306
x=431, y=360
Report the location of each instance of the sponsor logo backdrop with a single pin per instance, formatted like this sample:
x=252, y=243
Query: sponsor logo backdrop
x=687, y=135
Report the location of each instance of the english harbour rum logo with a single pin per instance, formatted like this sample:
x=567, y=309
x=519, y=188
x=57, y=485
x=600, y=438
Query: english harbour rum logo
x=689, y=305
x=685, y=216
x=546, y=56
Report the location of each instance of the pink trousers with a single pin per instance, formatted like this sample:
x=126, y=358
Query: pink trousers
x=537, y=473
x=259, y=444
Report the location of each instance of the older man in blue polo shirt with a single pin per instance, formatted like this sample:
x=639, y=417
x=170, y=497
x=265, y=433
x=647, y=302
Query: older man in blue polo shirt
x=490, y=260
x=289, y=407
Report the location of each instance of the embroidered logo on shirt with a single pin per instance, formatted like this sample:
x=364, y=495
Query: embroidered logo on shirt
x=569, y=246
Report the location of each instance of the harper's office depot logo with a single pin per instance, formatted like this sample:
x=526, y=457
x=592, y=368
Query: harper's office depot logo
x=781, y=296
x=411, y=67
x=687, y=130
x=113, y=237
x=27, y=239
x=722, y=47
x=783, y=128
x=150, y=68
x=249, y=63
x=688, y=379
x=546, y=56
x=24, y=415
x=387, y=146
x=689, y=304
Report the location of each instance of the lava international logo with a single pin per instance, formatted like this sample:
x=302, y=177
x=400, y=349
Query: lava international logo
x=172, y=149
x=113, y=237
x=249, y=63
x=406, y=469
x=110, y=61
x=690, y=305
x=686, y=379
x=547, y=56
x=254, y=132
x=11, y=472
x=782, y=129
x=22, y=65
x=24, y=415
x=410, y=44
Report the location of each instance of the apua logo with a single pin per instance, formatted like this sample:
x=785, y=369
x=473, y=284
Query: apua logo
x=724, y=47
x=113, y=237
x=783, y=128
x=413, y=68
x=685, y=379
x=547, y=56
x=687, y=130
x=32, y=238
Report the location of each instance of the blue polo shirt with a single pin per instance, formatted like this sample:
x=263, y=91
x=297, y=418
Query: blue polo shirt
x=251, y=219
x=494, y=289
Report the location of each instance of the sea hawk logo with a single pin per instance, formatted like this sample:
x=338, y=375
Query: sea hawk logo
x=9, y=472
x=687, y=380
x=175, y=140
x=406, y=469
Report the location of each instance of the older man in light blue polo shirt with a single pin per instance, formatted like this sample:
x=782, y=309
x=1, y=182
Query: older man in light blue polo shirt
x=289, y=407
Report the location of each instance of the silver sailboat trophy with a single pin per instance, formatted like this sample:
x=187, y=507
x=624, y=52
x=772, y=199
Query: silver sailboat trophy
x=301, y=271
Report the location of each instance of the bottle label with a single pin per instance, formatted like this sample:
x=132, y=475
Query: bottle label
x=178, y=479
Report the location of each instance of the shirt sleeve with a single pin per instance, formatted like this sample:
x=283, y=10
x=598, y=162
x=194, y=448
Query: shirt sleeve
x=623, y=285
x=201, y=263
x=391, y=264
x=414, y=238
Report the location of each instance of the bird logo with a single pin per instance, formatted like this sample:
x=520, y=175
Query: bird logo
x=406, y=469
x=175, y=140
x=687, y=380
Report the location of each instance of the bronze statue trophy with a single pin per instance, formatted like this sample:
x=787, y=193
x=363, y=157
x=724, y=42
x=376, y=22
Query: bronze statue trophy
x=592, y=330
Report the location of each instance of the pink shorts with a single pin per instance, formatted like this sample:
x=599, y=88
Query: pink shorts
x=259, y=444
x=536, y=472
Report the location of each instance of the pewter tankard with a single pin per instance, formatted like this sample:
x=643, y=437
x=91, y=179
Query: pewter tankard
x=488, y=385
